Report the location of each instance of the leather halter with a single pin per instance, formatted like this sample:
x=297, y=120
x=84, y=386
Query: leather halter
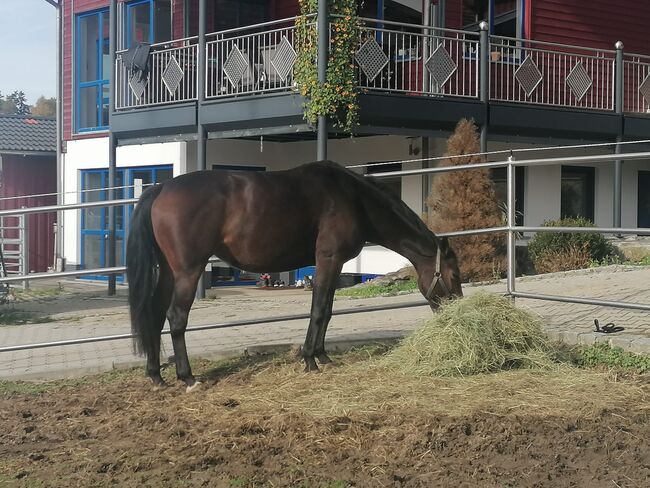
x=437, y=278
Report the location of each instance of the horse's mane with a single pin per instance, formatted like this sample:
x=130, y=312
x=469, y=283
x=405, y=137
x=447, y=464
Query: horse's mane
x=397, y=205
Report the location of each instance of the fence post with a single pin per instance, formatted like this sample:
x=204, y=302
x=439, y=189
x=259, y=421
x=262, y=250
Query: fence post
x=484, y=77
x=511, y=224
x=322, y=27
x=24, y=247
x=618, y=109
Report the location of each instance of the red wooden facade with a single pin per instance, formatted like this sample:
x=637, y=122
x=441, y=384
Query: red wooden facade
x=31, y=175
x=588, y=23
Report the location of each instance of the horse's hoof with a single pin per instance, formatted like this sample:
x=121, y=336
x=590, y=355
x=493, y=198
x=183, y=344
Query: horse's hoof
x=159, y=386
x=311, y=366
x=190, y=389
x=324, y=358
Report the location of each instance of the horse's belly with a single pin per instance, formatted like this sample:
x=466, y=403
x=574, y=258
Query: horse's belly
x=271, y=254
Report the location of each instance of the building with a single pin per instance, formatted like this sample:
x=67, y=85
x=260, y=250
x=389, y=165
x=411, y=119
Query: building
x=28, y=167
x=553, y=74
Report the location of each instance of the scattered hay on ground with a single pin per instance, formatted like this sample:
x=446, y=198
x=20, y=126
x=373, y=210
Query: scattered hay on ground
x=479, y=334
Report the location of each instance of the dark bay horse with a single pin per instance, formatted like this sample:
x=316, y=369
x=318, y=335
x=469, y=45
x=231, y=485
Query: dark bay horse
x=318, y=213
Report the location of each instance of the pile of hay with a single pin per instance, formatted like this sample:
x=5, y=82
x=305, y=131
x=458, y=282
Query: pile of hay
x=479, y=334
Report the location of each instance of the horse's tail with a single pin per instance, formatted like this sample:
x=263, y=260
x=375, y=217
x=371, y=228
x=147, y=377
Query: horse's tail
x=141, y=270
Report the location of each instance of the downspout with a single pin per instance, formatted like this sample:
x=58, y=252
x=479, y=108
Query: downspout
x=58, y=264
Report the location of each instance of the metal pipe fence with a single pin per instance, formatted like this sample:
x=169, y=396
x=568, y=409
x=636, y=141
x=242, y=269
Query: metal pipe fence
x=511, y=229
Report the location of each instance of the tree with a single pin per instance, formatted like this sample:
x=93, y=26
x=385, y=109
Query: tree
x=45, y=107
x=464, y=200
x=19, y=101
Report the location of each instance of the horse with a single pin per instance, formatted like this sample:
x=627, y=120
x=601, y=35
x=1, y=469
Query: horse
x=318, y=214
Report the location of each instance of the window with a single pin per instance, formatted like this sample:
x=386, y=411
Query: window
x=578, y=192
x=94, y=221
x=93, y=70
x=505, y=17
x=148, y=21
x=393, y=185
x=500, y=180
x=229, y=14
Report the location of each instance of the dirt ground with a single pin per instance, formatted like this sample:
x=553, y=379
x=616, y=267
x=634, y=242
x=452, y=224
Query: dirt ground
x=262, y=422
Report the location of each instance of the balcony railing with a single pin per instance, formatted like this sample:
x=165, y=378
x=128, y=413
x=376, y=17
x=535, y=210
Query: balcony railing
x=551, y=74
x=636, y=83
x=398, y=57
x=395, y=58
x=172, y=76
x=252, y=59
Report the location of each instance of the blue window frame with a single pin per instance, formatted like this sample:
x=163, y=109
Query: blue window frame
x=94, y=221
x=148, y=21
x=93, y=68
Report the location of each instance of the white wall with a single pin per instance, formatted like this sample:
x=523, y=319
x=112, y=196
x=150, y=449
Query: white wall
x=93, y=154
x=542, y=183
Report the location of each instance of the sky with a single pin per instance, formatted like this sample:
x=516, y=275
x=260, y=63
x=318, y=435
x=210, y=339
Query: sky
x=28, y=48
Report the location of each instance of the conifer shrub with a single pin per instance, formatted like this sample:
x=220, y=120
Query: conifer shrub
x=463, y=200
x=551, y=252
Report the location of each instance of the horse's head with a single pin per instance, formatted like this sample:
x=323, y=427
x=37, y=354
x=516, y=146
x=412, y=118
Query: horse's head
x=440, y=278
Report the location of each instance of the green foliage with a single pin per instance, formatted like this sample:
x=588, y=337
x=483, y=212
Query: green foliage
x=370, y=290
x=14, y=104
x=603, y=354
x=44, y=107
x=546, y=243
x=337, y=97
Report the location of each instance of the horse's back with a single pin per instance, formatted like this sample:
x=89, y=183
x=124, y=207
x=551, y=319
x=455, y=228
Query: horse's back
x=256, y=220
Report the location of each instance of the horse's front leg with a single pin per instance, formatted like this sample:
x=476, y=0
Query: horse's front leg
x=182, y=299
x=328, y=270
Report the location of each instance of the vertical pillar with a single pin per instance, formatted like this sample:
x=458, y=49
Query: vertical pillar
x=322, y=27
x=112, y=143
x=426, y=22
x=201, y=142
x=618, y=108
x=484, y=83
x=511, y=253
x=58, y=251
x=425, y=178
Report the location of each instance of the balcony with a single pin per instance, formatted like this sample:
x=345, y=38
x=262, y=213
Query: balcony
x=399, y=59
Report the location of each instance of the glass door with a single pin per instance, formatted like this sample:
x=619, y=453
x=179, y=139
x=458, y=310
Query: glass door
x=94, y=222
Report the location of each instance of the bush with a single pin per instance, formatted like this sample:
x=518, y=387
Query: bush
x=464, y=200
x=565, y=251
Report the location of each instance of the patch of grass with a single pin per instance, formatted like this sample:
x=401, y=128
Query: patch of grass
x=371, y=290
x=17, y=317
x=604, y=355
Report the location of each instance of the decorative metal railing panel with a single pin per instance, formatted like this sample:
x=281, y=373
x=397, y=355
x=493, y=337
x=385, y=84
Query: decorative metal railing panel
x=636, y=83
x=402, y=58
x=172, y=76
x=392, y=57
x=551, y=74
x=249, y=60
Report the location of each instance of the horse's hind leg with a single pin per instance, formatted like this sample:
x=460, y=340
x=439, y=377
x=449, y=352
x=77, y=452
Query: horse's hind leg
x=162, y=297
x=328, y=270
x=178, y=312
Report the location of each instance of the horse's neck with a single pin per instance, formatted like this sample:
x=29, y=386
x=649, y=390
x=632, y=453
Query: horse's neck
x=393, y=230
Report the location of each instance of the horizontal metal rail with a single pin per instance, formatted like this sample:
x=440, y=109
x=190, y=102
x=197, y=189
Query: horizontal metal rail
x=582, y=230
x=222, y=325
x=72, y=206
x=583, y=301
x=602, y=158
